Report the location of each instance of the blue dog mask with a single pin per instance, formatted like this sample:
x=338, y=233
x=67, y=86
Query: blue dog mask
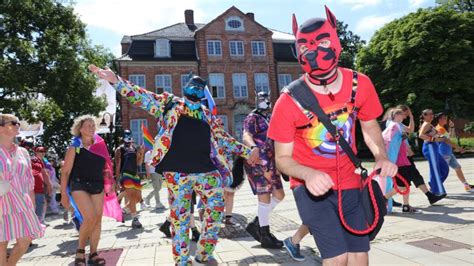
x=194, y=89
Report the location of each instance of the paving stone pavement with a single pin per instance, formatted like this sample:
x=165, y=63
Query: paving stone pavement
x=446, y=228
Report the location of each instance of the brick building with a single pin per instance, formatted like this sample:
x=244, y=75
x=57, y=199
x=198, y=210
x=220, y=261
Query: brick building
x=234, y=52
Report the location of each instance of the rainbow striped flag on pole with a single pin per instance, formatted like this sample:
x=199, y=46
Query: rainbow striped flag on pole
x=147, y=138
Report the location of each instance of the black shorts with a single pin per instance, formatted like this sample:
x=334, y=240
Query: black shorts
x=321, y=216
x=411, y=174
x=91, y=187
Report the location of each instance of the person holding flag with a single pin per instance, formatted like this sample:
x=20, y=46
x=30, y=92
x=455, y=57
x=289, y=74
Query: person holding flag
x=151, y=174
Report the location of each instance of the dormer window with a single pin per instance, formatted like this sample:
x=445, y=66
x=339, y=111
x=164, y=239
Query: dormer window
x=234, y=24
x=162, y=48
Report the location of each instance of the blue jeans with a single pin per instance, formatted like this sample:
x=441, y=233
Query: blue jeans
x=40, y=209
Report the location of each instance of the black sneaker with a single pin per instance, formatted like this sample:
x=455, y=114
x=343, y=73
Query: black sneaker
x=165, y=228
x=409, y=209
x=195, y=235
x=435, y=198
x=268, y=240
x=136, y=223
x=253, y=228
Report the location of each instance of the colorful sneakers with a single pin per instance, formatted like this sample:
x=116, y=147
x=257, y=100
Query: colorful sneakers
x=293, y=250
x=468, y=188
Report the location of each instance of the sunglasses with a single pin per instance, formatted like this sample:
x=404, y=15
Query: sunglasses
x=14, y=123
x=428, y=114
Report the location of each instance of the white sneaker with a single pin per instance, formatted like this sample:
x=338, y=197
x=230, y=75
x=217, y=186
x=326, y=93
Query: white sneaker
x=144, y=206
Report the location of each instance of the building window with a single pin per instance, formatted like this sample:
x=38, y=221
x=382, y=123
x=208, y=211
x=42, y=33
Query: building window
x=216, y=81
x=239, y=84
x=214, y=48
x=258, y=48
x=138, y=80
x=234, y=24
x=283, y=80
x=163, y=83
x=225, y=122
x=261, y=82
x=184, y=81
x=239, y=126
x=162, y=48
x=236, y=48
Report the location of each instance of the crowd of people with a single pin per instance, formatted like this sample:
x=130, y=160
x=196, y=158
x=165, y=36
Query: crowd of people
x=194, y=157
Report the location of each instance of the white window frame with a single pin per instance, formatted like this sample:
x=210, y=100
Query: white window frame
x=284, y=80
x=228, y=28
x=258, y=48
x=234, y=45
x=165, y=82
x=162, y=48
x=225, y=121
x=262, y=82
x=137, y=80
x=239, y=85
x=217, y=81
x=214, y=44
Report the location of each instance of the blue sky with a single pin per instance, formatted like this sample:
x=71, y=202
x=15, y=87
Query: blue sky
x=108, y=20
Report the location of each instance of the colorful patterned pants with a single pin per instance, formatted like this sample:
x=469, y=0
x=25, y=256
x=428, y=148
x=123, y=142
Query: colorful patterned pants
x=209, y=187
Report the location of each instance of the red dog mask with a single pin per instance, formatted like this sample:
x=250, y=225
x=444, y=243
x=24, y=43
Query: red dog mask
x=317, y=59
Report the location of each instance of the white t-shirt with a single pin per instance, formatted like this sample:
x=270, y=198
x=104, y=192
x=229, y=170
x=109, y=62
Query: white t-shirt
x=148, y=161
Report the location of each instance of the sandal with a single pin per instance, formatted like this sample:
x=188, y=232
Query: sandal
x=94, y=259
x=80, y=261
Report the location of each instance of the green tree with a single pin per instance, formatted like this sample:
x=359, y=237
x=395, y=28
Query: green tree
x=43, y=67
x=351, y=44
x=458, y=5
x=424, y=60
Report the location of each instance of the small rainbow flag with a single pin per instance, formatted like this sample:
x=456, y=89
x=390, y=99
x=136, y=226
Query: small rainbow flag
x=147, y=138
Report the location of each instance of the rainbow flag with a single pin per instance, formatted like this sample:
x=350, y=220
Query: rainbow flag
x=147, y=138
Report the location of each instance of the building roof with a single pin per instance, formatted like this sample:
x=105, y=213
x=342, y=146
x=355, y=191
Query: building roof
x=178, y=31
x=183, y=45
x=280, y=36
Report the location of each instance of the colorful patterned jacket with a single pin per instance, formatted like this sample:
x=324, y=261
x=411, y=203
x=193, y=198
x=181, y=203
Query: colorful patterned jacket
x=155, y=104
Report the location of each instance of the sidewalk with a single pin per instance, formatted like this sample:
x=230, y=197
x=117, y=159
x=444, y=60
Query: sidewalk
x=441, y=235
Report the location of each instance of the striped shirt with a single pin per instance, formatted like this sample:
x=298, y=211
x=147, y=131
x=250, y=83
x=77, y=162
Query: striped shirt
x=17, y=215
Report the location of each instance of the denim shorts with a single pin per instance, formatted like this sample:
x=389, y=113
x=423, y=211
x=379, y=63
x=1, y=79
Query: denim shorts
x=321, y=216
x=452, y=161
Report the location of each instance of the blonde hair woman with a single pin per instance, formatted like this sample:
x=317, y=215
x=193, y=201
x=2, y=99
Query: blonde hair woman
x=18, y=220
x=85, y=164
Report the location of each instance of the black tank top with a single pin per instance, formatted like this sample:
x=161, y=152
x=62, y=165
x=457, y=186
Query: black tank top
x=128, y=160
x=87, y=167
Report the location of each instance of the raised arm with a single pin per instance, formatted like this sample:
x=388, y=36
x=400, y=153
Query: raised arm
x=149, y=101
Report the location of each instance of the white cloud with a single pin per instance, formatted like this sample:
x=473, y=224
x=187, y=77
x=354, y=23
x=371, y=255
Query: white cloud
x=358, y=4
x=370, y=24
x=416, y=3
x=135, y=17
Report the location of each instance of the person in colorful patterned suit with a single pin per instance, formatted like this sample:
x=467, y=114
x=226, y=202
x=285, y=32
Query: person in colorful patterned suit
x=323, y=178
x=188, y=151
